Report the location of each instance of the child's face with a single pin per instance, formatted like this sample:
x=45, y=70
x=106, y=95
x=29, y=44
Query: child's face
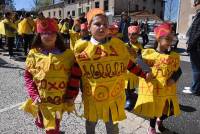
x=165, y=42
x=48, y=39
x=99, y=27
x=133, y=37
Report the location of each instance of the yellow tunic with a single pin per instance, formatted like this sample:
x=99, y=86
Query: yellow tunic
x=50, y=73
x=132, y=78
x=103, y=73
x=8, y=28
x=26, y=26
x=154, y=95
x=74, y=36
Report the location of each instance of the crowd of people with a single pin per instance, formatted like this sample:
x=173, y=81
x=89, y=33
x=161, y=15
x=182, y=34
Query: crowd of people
x=105, y=63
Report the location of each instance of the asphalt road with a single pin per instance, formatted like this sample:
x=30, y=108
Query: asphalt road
x=189, y=121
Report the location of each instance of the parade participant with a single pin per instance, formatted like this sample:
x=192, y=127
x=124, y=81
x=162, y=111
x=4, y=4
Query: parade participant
x=48, y=66
x=85, y=35
x=10, y=32
x=113, y=30
x=75, y=33
x=157, y=99
x=135, y=49
x=103, y=65
x=64, y=30
x=26, y=28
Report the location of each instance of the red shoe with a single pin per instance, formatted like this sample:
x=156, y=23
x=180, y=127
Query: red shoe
x=151, y=130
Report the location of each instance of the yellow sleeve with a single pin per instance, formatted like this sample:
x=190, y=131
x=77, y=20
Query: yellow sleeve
x=30, y=60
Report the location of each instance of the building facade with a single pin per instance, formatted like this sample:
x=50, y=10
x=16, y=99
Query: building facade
x=112, y=7
x=186, y=14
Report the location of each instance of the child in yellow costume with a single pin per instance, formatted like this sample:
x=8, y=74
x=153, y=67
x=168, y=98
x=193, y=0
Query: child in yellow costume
x=157, y=99
x=103, y=64
x=48, y=66
x=75, y=33
x=135, y=49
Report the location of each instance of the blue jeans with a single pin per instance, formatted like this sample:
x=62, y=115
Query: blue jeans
x=195, y=63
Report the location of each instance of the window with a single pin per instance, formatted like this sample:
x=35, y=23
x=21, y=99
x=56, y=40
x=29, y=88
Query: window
x=144, y=0
x=136, y=7
x=144, y=8
x=54, y=13
x=60, y=13
x=73, y=13
x=154, y=1
x=87, y=9
x=97, y=4
x=73, y=1
x=153, y=11
x=79, y=11
x=49, y=14
x=68, y=1
x=106, y=5
x=68, y=13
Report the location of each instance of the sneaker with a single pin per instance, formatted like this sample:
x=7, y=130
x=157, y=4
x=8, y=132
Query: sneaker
x=151, y=130
x=160, y=125
x=187, y=91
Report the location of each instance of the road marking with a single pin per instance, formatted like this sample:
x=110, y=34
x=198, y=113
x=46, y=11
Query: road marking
x=10, y=107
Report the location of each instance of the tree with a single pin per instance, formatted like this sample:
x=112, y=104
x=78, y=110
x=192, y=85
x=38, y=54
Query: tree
x=40, y=3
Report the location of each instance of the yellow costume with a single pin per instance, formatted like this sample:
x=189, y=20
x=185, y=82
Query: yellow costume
x=132, y=78
x=154, y=95
x=26, y=26
x=74, y=36
x=104, y=68
x=7, y=28
x=50, y=73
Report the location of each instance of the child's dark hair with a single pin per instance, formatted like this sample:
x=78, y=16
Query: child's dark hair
x=59, y=43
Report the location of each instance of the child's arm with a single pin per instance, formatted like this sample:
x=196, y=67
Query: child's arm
x=136, y=69
x=175, y=76
x=31, y=86
x=74, y=82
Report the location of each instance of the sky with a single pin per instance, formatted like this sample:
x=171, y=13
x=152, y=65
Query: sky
x=28, y=4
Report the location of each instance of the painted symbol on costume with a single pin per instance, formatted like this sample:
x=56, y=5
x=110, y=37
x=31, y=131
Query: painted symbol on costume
x=118, y=89
x=87, y=89
x=101, y=93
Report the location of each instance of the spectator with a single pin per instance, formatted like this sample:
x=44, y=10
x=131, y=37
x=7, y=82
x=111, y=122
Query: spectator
x=82, y=18
x=124, y=24
x=194, y=51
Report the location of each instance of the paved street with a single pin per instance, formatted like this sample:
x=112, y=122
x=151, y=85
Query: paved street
x=14, y=121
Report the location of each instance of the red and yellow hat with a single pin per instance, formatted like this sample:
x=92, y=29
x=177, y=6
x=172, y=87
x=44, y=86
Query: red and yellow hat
x=47, y=25
x=163, y=29
x=92, y=13
x=134, y=29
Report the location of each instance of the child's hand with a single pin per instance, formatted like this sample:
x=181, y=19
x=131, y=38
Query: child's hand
x=149, y=76
x=37, y=101
x=170, y=82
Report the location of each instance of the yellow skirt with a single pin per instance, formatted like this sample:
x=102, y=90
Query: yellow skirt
x=49, y=112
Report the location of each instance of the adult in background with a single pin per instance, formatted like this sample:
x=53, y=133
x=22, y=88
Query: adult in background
x=82, y=18
x=124, y=24
x=193, y=49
